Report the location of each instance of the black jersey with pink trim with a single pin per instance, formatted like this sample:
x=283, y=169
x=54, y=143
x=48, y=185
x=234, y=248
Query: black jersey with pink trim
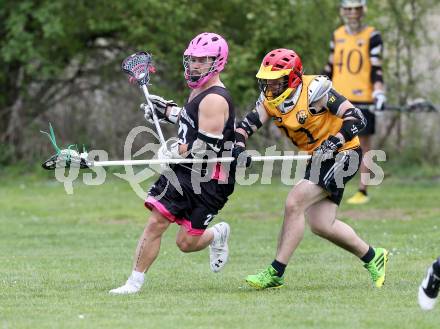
x=189, y=125
x=189, y=119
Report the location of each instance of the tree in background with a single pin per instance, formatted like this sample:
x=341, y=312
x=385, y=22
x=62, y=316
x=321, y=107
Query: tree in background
x=405, y=27
x=59, y=60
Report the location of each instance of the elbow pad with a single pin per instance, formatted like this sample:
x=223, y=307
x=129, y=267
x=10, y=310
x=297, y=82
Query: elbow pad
x=206, y=142
x=376, y=74
x=354, y=122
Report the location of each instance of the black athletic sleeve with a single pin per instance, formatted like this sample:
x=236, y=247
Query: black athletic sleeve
x=335, y=99
x=328, y=69
x=376, y=51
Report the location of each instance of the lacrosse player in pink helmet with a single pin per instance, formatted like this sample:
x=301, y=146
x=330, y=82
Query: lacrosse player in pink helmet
x=205, y=128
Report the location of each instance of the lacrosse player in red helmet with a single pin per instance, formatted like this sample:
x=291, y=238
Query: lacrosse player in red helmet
x=355, y=67
x=322, y=122
x=206, y=128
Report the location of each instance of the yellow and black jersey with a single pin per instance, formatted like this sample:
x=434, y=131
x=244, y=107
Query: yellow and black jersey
x=355, y=63
x=305, y=128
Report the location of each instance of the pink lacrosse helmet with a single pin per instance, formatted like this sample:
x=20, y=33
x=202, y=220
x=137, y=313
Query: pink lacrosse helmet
x=210, y=52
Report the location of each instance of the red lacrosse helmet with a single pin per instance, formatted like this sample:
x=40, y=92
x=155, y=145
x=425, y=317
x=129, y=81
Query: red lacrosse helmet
x=279, y=75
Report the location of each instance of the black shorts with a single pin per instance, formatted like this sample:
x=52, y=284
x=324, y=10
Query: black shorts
x=181, y=204
x=334, y=173
x=370, y=129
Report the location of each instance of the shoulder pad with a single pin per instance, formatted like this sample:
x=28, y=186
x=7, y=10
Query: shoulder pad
x=260, y=99
x=319, y=87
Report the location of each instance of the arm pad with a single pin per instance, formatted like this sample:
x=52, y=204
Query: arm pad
x=206, y=141
x=354, y=122
x=239, y=138
x=376, y=74
x=251, y=123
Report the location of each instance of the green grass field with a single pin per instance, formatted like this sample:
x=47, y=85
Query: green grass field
x=60, y=254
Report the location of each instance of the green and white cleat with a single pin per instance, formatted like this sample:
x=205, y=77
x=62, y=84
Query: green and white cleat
x=266, y=279
x=377, y=266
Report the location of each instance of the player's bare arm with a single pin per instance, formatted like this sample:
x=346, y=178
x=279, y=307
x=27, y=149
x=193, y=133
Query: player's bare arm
x=245, y=128
x=213, y=114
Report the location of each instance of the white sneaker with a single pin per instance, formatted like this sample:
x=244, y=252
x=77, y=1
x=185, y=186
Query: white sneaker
x=130, y=287
x=428, y=290
x=218, y=249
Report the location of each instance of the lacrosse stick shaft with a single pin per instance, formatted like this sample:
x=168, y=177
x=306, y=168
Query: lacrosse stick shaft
x=180, y=161
x=153, y=111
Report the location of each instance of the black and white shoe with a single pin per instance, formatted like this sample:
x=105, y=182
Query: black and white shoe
x=428, y=290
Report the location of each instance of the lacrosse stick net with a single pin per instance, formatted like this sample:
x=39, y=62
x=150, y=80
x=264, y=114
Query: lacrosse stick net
x=64, y=158
x=139, y=66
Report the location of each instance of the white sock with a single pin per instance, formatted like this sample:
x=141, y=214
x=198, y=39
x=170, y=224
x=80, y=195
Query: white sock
x=216, y=235
x=138, y=277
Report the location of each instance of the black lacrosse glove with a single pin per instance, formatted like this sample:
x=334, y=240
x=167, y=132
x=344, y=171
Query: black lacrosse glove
x=242, y=158
x=329, y=146
x=160, y=104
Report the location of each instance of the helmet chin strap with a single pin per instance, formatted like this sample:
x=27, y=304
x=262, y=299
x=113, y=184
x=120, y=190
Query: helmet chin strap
x=195, y=78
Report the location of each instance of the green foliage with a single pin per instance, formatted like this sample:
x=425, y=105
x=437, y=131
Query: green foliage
x=419, y=143
x=6, y=154
x=54, y=52
x=45, y=37
x=404, y=29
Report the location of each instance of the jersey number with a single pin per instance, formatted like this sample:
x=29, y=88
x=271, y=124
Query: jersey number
x=208, y=219
x=354, y=56
x=310, y=138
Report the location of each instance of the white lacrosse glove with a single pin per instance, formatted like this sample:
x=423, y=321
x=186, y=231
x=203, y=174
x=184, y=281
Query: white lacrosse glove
x=160, y=106
x=73, y=158
x=169, y=150
x=379, y=100
x=84, y=155
x=66, y=153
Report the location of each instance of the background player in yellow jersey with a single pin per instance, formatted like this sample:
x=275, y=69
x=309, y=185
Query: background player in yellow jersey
x=324, y=123
x=355, y=67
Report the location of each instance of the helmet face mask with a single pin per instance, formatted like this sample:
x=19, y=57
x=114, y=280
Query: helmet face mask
x=352, y=12
x=196, y=68
x=272, y=89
